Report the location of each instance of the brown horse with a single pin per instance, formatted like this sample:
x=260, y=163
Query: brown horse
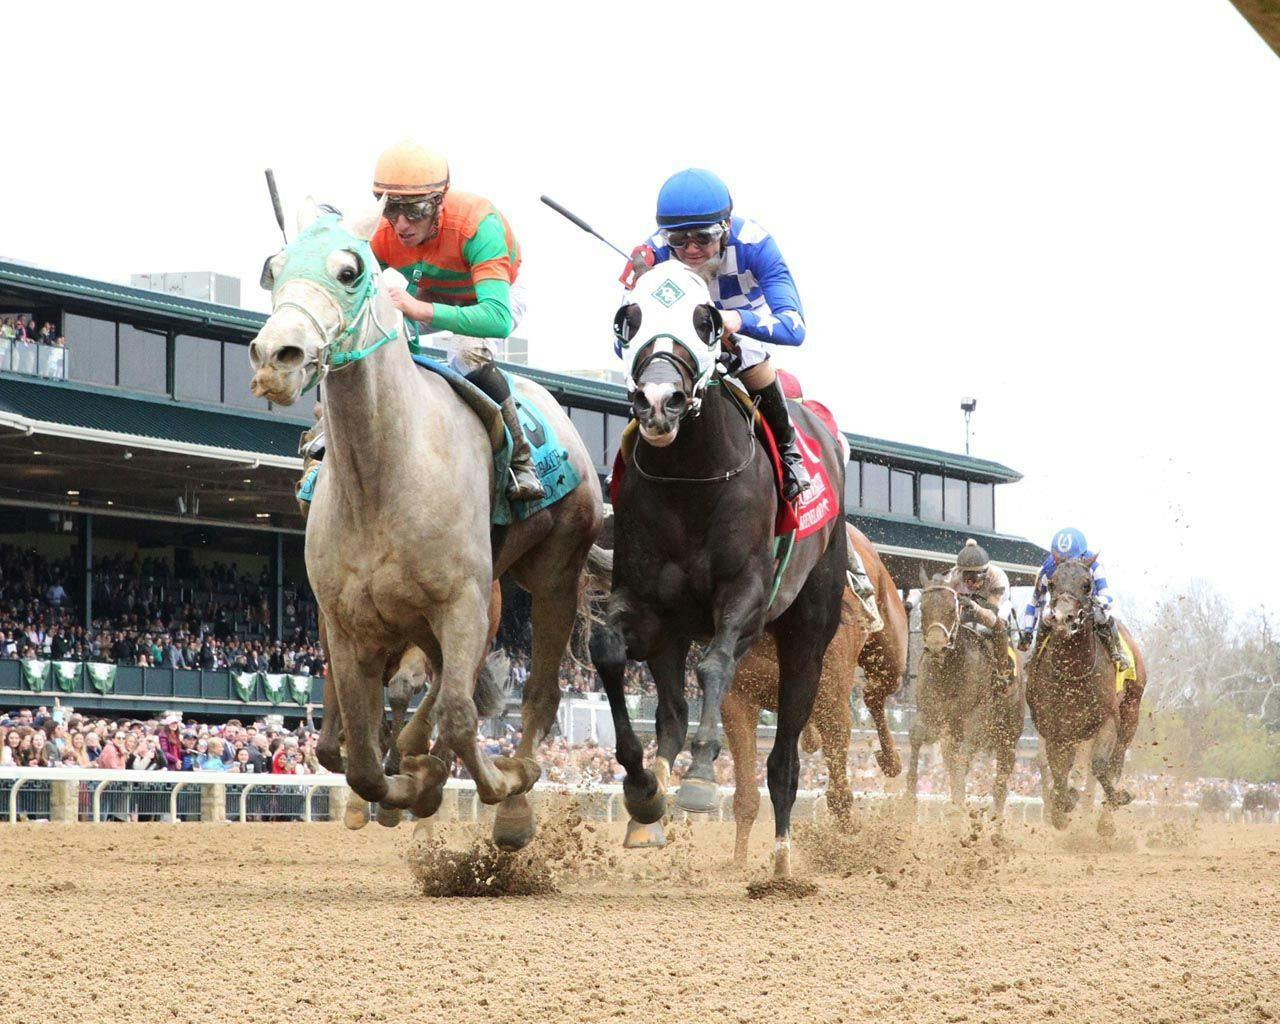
x=1073, y=696
x=882, y=655
x=958, y=699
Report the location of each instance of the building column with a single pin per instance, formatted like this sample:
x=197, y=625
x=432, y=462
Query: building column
x=86, y=545
x=277, y=605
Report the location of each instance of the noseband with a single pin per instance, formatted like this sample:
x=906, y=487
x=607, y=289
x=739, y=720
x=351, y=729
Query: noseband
x=949, y=633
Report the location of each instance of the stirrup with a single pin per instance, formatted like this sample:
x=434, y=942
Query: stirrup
x=867, y=599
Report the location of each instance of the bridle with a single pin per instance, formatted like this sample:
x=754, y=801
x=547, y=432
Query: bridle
x=717, y=478
x=949, y=633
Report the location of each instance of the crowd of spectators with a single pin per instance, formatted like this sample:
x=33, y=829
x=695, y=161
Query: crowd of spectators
x=55, y=737
x=148, y=613
x=23, y=327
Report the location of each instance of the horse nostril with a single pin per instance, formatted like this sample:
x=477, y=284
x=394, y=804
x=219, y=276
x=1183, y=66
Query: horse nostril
x=290, y=357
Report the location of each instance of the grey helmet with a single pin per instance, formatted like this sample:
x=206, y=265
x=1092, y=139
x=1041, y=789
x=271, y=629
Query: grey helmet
x=972, y=557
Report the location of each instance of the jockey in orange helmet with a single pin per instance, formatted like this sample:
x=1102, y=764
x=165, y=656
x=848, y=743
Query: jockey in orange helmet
x=461, y=261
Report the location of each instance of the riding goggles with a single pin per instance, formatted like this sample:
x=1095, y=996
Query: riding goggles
x=702, y=237
x=412, y=210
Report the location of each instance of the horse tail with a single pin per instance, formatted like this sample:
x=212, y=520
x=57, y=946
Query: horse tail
x=600, y=567
x=493, y=685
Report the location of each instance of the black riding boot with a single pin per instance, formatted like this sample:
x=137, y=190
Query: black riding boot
x=773, y=407
x=524, y=484
x=1109, y=630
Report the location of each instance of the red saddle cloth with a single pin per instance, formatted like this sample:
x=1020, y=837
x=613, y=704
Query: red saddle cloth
x=816, y=507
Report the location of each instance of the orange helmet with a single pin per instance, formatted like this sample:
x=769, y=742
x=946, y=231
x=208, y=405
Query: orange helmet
x=408, y=169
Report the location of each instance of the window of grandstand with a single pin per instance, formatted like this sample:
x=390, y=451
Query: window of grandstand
x=955, y=501
x=142, y=360
x=590, y=425
x=852, y=485
x=982, y=505
x=931, y=496
x=91, y=345
x=875, y=487
x=236, y=374
x=902, y=493
x=197, y=371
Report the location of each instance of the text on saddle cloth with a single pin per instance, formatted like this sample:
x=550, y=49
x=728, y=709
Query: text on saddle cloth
x=550, y=458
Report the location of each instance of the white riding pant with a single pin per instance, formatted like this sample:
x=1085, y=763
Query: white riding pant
x=466, y=354
x=752, y=351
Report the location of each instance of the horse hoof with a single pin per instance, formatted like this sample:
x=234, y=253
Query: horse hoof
x=356, y=815
x=1058, y=818
x=1106, y=826
x=513, y=823
x=698, y=796
x=644, y=808
x=890, y=763
x=525, y=769
x=644, y=837
x=1123, y=796
x=782, y=859
x=389, y=817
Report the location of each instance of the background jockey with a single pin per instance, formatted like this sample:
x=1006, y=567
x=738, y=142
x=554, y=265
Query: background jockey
x=1069, y=543
x=461, y=260
x=749, y=282
x=983, y=590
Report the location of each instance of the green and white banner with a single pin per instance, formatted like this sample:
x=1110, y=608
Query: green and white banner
x=301, y=688
x=244, y=683
x=274, y=685
x=67, y=674
x=101, y=677
x=35, y=674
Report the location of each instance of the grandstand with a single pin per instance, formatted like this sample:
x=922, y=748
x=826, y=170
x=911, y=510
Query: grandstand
x=142, y=476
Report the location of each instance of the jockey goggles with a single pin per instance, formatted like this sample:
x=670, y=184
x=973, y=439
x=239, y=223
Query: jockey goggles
x=678, y=238
x=412, y=210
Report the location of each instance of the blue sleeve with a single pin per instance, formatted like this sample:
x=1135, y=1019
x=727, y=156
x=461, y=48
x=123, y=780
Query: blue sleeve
x=783, y=322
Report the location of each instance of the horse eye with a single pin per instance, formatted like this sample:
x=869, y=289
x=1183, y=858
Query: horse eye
x=347, y=275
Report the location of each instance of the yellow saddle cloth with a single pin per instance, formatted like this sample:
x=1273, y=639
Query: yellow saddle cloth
x=1131, y=673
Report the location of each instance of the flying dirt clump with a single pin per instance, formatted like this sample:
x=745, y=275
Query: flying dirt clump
x=565, y=846
x=965, y=850
x=782, y=888
x=1173, y=835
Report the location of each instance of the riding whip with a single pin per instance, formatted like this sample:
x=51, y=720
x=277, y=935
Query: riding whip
x=275, y=202
x=583, y=224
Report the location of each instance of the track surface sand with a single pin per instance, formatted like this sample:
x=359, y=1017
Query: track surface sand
x=932, y=923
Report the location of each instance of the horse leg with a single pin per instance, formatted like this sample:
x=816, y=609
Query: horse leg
x=462, y=628
x=1006, y=754
x=736, y=607
x=874, y=697
x=645, y=802
x=799, y=674
x=551, y=617
x=741, y=716
x=1104, y=766
x=1061, y=755
x=389, y=817
x=836, y=727
x=357, y=674
x=329, y=743
x=672, y=726
x=952, y=759
x=916, y=738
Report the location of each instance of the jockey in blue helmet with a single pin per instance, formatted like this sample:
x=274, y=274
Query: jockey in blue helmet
x=1069, y=543
x=749, y=282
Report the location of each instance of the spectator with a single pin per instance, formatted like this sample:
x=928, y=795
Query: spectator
x=114, y=754
x=211, y=755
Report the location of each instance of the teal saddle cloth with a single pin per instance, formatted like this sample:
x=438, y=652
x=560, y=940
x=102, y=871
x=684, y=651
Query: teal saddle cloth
x=550, y=457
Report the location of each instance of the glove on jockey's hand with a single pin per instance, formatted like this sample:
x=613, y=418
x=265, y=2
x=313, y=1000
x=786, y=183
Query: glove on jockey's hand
x=1024, y=641
x=642, y=259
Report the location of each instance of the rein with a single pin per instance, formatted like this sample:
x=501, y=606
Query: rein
x=951, y=633
x=719, y=477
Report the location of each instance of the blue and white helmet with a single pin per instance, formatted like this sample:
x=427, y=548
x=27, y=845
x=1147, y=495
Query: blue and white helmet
x=1068, y=543
x=693, y=198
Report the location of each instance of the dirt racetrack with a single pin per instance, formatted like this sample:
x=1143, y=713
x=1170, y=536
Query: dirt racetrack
x=300, y=923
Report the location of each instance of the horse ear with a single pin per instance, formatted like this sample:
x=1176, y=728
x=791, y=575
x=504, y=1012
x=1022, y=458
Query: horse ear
x=365, y=225
x=924, y=577
x=268, y=278
x=708, y=322
x=307, y=214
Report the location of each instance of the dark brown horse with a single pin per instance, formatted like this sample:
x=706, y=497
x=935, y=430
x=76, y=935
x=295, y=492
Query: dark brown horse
x=882, y=655
x=1074, y=698
x=958, y=698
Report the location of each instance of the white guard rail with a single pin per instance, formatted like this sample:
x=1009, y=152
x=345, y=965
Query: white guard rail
x=465, y=803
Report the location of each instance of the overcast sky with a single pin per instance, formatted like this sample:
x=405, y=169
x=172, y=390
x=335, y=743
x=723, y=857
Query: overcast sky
x=1069, y=212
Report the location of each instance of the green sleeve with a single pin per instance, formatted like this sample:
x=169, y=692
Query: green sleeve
x=490, y=317
x=488, y=243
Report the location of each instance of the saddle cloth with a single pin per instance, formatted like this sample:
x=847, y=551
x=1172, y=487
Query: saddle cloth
x=1129, y=674
x=550, y=458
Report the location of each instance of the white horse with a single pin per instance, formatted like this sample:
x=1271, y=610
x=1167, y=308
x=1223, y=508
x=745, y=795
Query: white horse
x=399, y=546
